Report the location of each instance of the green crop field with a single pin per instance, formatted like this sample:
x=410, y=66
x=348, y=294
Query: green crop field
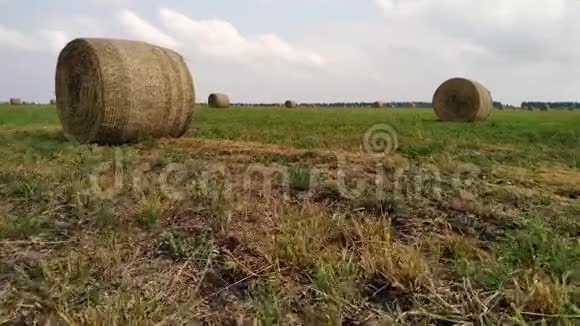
x=284, y=215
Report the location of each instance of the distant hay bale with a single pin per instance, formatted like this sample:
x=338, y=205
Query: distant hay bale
x=462, y=100
x=377, y=105
x=218, y=101
x=116, y=91
x=290, y=104
x=15, y=101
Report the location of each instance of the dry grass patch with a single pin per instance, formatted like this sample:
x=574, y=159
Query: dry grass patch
x=401, y=265
x=538, y=294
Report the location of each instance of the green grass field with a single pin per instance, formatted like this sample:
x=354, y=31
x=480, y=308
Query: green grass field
x=542, y=138
x=280, y=216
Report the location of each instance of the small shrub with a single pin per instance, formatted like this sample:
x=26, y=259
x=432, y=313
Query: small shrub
x=198, y=248
x=300, y=179
x=150, y=212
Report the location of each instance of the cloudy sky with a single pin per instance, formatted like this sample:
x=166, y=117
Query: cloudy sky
x=314, y=50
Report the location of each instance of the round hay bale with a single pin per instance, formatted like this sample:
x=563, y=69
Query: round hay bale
x=116, y=91
x=15, y=101
x=218, y=101
x=290, y=104
x=378, y=104
x=462, y=100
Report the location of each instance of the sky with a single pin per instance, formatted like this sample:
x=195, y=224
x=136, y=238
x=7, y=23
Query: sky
x=314, y=50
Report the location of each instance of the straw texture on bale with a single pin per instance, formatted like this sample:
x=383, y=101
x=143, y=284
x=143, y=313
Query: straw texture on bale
x=116, y=91
x=462, y=100
x=220, y=101
x=290, y=104
x=15, y=101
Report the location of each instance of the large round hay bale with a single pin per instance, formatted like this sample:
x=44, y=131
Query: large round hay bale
x=290, y=104
x=462, y=100
x=219, y=101
x=117, y=91
x=15, y=101
x=378, y=104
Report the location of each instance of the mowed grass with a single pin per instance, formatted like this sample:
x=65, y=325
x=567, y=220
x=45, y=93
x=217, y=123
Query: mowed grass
x=174, y=232
x=511, y=137
x=519, y=138
x=28, y=115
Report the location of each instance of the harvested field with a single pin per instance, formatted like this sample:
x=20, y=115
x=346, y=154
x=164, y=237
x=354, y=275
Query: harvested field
x=281, y=216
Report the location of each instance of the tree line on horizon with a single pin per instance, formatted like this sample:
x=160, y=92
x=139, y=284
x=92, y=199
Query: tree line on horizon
x=418, y=104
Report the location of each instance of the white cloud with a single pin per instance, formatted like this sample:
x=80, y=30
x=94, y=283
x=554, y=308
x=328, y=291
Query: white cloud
x=51, y=41
x=504, y=43
x=142, y=30
x=512, y=11
x=111, y=3
x=498, y=11
x=17, y=40
x=404, y=7
x=520, y=49
x=221, y=39
x=56, y=40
